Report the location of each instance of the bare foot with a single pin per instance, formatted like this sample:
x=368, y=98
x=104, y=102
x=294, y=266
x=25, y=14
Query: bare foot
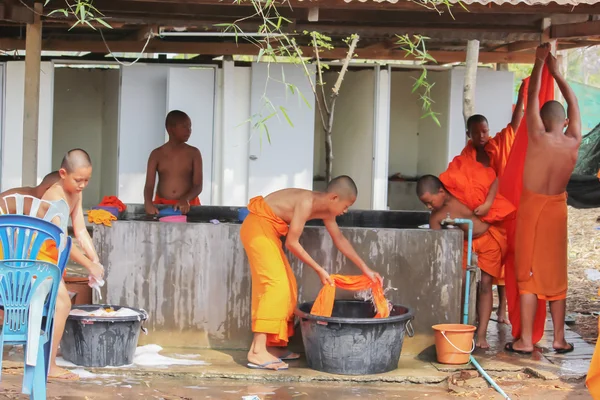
x=62, y=374
x=265, y=360
x=282, y=353
x=482, y=343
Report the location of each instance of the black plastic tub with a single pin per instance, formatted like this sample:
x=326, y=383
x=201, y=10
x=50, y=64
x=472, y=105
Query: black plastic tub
x=101, y=341
x=351, y=341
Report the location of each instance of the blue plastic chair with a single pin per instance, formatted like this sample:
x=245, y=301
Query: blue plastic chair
x=21, y=275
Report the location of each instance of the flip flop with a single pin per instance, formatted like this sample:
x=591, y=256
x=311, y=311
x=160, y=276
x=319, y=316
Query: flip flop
x=290, y=356
x=509, y=347
x=63, y=376
x=265, y=365
x=565, y=351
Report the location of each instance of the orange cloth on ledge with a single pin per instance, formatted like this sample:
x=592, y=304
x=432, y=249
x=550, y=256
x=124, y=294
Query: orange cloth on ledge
x=511, y=185
x=48, y=252
x=274, y=290
x=167, y=202
x=323, y=305
x=101, y=217
x=498, y=149
x=469, y=181
x=113, y=201
x=541, y=254
x=593, y=376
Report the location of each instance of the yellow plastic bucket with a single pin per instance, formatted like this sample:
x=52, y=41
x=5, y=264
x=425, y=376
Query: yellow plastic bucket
x=454, y=343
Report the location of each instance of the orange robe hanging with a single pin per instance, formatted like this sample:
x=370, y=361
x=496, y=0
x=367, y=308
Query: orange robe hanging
x=323, y=305
x=511, y=185
x=498, y=150
x=541, y=256
x=469, y=182
x=160, y=201
x=593, y=376
x=274, y=291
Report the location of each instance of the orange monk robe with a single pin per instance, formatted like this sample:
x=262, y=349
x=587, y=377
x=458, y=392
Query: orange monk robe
x=160, y=201
x=511, y=185
x=323, y=305
x=593, y=376
x=469, y=182
x=498, y=150
x=274, y=291
x=541, y=256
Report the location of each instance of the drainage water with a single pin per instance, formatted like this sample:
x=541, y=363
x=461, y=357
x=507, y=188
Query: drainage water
x=351, y=341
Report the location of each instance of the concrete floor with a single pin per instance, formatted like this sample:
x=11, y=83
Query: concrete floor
x=225, y=376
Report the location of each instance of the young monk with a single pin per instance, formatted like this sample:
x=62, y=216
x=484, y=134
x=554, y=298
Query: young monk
x=179, y=168
x=75, y=172
x=488, y=240
x=541, y=226
x=493, y=152
x=274, y=291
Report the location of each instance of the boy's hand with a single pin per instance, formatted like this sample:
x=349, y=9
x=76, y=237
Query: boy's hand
x=151, y=209
x=482, y=210
x=552, y=65
x=374, y=276
x=542, y=51
x=97, y=271
x=183, y=206
x=325, y=278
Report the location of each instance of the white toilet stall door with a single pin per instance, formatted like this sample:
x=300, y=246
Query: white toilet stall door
x=147, y=93
x=287, y=161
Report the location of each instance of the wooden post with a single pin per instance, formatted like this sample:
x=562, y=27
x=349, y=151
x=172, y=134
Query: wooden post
x=546, y=38
x=470, y=79
x=33, y=58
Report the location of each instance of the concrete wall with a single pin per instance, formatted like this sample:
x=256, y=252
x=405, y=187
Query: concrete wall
x=110, y=134
x=352, y=135
x=199, y=295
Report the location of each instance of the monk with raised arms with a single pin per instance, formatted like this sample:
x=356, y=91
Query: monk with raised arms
x=274, y=290
x=541, y=226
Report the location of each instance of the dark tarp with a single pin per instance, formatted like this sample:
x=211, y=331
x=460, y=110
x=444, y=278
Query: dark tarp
x=584, y=186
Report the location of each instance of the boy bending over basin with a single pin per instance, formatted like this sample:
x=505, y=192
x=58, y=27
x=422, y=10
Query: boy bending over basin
x=489, y=239
x=274, y=291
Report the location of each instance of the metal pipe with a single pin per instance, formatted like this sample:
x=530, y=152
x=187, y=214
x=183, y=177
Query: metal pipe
x=461, y=221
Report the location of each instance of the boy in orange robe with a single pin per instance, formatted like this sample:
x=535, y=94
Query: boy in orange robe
x=493, y=152
x=458, y=192
x=541, y=226
x=179, y=168
x=274, y=290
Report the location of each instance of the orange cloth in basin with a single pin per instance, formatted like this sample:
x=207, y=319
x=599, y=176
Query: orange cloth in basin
x=323, y=305
x=167, y=202
x=511, y=185
x=274, y=291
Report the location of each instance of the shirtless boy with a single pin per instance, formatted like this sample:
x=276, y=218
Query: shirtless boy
x=36, y=191
x=493, y=152
x=541, y=229
x=179, y=168
x=75, y=173
x=274, y=291
x=489, y=241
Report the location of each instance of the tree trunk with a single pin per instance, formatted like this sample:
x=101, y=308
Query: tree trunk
x=470, y=79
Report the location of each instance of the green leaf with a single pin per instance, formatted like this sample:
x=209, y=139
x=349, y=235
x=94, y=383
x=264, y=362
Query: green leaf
x=287, y=117
x=102, y=22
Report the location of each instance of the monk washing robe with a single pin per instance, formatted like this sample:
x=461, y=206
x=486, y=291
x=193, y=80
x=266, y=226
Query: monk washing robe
x=274, y=291
x=469, y=182
x=323, y=305
x=511, y=187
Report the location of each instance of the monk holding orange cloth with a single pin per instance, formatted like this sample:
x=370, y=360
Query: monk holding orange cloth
x=179, y=168
x=541, y=226
x=274, y=291
x=493, y=152
x=458, y=192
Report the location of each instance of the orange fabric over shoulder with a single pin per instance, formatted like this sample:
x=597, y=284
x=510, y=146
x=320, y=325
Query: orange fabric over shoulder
x=323, y=305
x=469, y=181
x=161, y=201
x=274, y=290
x=511, y=185
x=593, y=376
x=498, y=149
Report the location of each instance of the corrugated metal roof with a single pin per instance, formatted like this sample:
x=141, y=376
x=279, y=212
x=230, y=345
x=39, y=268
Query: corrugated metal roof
x=500, y=2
